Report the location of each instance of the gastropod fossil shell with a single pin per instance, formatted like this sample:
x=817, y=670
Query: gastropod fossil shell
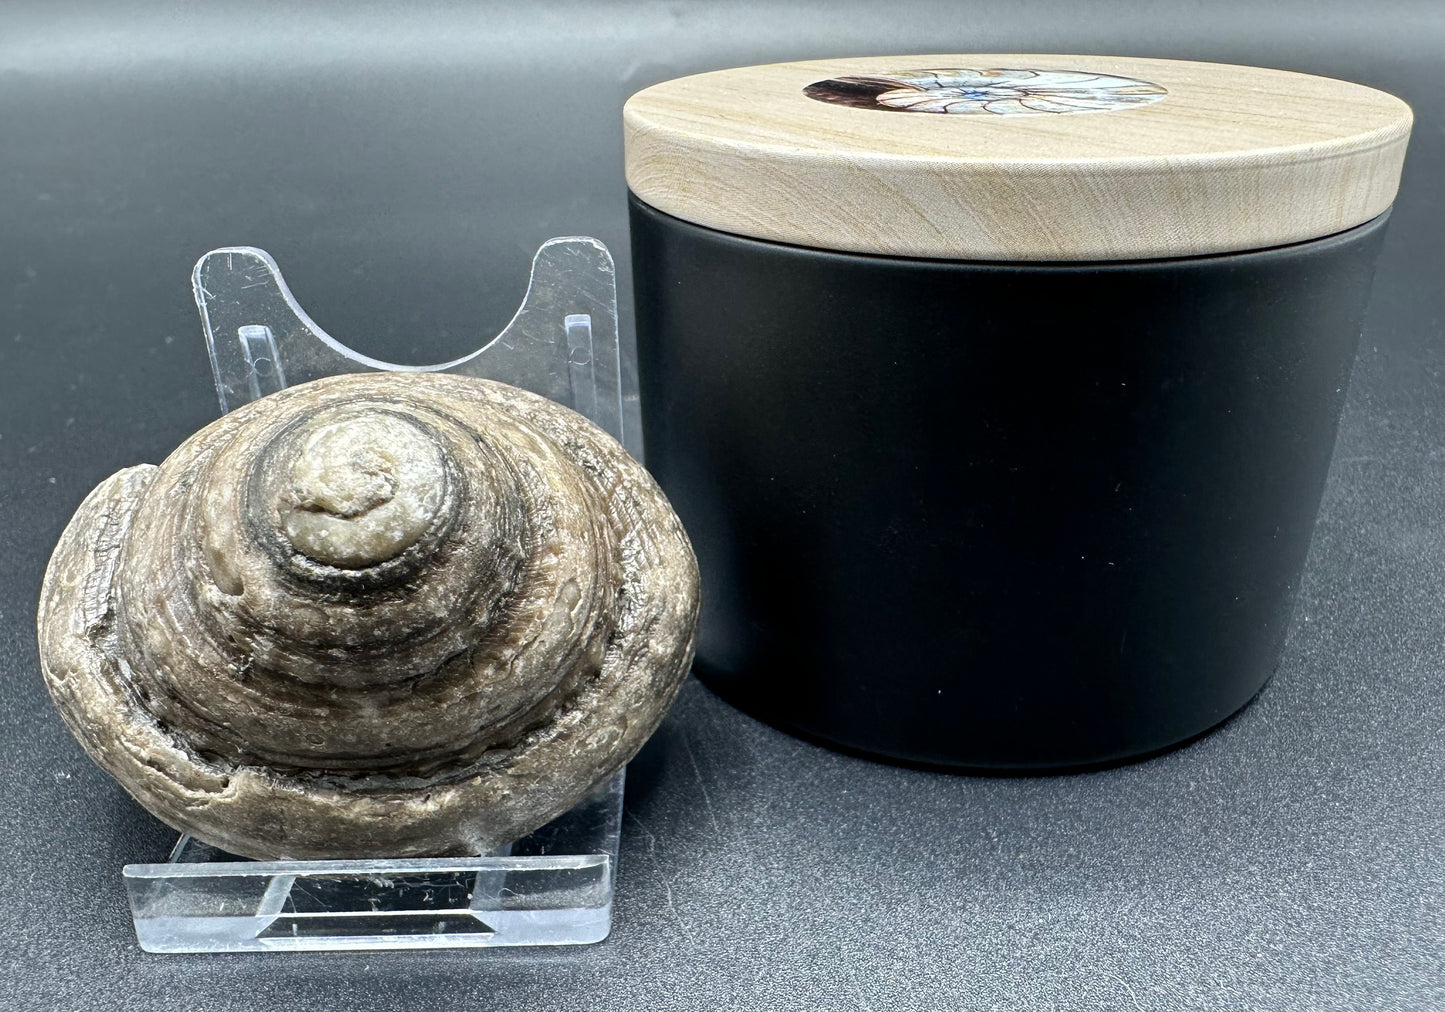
x=373, y=615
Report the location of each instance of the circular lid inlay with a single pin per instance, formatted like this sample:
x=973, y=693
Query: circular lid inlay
x=992, y=92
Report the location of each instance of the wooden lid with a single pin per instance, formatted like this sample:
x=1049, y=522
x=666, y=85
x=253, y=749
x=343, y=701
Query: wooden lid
x=1009, y=157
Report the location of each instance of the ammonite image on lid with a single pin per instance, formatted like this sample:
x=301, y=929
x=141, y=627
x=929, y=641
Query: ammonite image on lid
x=988, y=92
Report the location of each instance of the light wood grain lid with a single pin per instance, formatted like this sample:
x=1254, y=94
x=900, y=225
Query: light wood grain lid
x=1185, y=159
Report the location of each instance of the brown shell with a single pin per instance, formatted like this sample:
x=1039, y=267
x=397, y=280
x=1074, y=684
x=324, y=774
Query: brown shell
x=375, y=615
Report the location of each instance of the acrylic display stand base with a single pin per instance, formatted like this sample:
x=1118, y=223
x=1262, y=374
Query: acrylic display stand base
x=552, y=887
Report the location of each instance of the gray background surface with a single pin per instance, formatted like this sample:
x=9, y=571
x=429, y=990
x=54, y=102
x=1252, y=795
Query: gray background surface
x=402, y=162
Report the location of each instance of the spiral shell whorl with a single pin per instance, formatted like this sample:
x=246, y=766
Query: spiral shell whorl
x=362, y=489
x=373, y=584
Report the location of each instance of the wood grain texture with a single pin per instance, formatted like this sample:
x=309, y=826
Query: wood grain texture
x=1231, y=158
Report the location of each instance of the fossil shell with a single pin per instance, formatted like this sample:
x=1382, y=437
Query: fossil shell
x=373, y=615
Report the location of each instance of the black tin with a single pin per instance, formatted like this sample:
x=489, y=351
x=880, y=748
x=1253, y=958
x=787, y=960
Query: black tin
x=998, y=516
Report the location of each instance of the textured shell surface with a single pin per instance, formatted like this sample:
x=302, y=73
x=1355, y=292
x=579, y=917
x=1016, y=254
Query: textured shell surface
x=376, y=615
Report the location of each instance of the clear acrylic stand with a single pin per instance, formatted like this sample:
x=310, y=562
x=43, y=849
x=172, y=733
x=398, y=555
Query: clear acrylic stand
x=553, y=887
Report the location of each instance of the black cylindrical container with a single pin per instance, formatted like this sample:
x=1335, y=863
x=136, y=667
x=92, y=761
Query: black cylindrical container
x=1042, y=504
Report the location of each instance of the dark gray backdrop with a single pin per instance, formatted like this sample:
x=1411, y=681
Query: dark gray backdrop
x=402, y=161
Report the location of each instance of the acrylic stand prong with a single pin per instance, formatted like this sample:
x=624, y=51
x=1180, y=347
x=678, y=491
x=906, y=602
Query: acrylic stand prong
x=553, y=887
